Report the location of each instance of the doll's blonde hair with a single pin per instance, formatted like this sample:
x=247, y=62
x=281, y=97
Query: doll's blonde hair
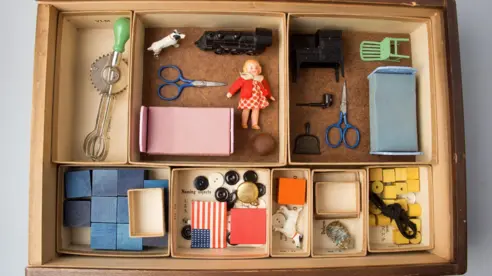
x=248, y=62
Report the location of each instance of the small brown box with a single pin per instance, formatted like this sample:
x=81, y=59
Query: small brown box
x=146, y=212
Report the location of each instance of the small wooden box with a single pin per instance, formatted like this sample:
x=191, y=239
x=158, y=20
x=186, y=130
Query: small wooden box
x=337, y=199
x=146, y=213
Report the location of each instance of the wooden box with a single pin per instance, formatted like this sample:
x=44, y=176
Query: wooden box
x=146, y=211
x=71, y=34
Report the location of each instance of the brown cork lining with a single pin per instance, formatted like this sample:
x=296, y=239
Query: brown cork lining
x=313, y=83
x=200, y=65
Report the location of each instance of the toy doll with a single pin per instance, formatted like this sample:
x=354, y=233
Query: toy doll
x=254, y=95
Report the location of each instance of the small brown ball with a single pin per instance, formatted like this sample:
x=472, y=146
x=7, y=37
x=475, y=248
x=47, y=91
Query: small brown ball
x=263, y=144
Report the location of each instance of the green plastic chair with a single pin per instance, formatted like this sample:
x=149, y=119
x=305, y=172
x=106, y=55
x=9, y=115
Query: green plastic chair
x=386, y=50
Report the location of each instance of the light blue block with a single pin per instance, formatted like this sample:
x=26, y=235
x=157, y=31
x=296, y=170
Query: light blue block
x=104, y=182
x=77, y=184
x=130, y=179
x=103, y=236
x=156, y=183
x=124, y=241
x=103, y=209
x=122, y=213
x=77, y=213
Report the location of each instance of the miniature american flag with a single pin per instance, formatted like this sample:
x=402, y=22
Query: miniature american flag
x=208, y=224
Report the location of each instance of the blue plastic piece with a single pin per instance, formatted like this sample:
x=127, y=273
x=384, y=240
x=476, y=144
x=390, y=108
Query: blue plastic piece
x=103, y=236
x=124, y=241
x=122, y=213
x=130, y=179
x=159, y=242
x=77, y=213
x=104, y=182
x=103, y=209
x=77, y=184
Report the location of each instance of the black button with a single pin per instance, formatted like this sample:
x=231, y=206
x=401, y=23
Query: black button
x=186, y=232
x=261, y=189
x=250, y=176
x=229, y=238
x=201, y=183
x=232, y=177
x=231, y=200
x=221, y=194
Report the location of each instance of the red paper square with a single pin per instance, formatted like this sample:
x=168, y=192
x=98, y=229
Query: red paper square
x=248, y=226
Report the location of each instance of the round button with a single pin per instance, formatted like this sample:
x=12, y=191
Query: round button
x=221, y=194
x=200, y=183
x=215, y=180
x=261, y=189
x=232, y=177
x=231, y=200
x=186, y=232
x=250, y=176
x=247, y=192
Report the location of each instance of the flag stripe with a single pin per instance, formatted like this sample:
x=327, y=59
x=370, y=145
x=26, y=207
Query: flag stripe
x=216, y=229
x=206, y=215
x=222, y=226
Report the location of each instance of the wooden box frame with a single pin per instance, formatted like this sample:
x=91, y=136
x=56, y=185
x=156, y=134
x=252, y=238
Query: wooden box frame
x=449, y=164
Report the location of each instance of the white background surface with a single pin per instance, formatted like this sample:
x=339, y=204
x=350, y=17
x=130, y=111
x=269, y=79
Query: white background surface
x=17, y=25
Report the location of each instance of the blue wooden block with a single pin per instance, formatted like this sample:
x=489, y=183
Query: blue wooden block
x=124, y=241
x=103, y=209
x=159, y=242
x=77, y=184
x=130, y=179
x=122, y=213
x=104, y=182
x=103, y=236
x=161, y=183
x=77, y=213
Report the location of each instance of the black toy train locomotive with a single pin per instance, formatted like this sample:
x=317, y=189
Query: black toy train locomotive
x=235, y=43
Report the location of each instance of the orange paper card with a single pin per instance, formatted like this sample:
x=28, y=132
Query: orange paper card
x=291, y=191
x=248, y=226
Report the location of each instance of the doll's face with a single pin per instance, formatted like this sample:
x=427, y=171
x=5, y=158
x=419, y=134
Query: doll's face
x=253, y=68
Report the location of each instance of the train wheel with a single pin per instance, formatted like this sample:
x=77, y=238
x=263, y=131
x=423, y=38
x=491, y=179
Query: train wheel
x=219, y=51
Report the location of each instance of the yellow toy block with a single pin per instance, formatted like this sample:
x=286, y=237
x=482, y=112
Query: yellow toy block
x=376, y=174
x=372, y=220
x=377, y=187
x=398, y=238
x=373, y=209
x=417, y=223
x=389, y=192
x=393, y=223
x=413, y=186
x=383, y=220
x=400, y=174
x=388, y=201
x=412, y=173
x=401, y=188
x=403, y=203
x=388, y=175
x=414, y=210
x=417, y=239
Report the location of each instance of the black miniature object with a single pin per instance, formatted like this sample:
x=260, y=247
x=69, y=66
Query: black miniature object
x=261, y=189
x=231, y=177
x=307, y=143
x=325, y=103
x=228, y=239
x=200, y=183
x=186, y=232
x=250, y=176
x=235, y=42
x=324, y=49
x=221, y=194
x=231, y=200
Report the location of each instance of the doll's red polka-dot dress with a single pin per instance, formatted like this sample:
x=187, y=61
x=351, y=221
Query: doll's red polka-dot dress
x=257, y=99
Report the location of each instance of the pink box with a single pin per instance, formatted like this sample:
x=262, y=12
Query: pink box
x=192, y=131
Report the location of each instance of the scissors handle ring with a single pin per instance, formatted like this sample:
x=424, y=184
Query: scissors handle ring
x=327, y=135
x=178, y=78
x=159, y=90
x=349, y=126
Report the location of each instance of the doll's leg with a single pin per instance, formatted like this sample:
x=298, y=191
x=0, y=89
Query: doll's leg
x=245, y=117
x=254, y=118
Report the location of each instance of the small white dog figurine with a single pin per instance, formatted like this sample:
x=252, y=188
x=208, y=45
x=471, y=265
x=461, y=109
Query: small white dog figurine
x=289, y=228
x=170, y=40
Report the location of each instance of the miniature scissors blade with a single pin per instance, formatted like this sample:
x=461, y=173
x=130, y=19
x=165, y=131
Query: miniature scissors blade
x=343, y=105
x=207, y=83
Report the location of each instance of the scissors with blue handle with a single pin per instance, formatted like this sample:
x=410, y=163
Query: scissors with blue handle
x=338, y=125
x=180, y=87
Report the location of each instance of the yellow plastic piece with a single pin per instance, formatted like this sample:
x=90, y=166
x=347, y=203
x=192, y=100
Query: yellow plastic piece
x=377, y=187
x=414, y=210
x=383, y=220
x=375, y=174
x=417, y=223
x=372, y=220
x=398, y=238
x=393, y=223
x=417, y=239
x=401, y=188
x=389, y=192
x=388, y=201
x=413, y=186
x=388, y=175
x=373, y=209
x=403, y=203
x=413, y=173
x=400, y=174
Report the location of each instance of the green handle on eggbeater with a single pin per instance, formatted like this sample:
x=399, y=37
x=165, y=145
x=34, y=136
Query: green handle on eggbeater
x=121, y=34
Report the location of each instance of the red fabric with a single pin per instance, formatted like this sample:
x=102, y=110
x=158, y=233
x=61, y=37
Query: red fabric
x=256, y=101
x=246, y=87
x=248, y=226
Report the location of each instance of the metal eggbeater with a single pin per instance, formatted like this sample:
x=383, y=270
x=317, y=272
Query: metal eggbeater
x=109, y=76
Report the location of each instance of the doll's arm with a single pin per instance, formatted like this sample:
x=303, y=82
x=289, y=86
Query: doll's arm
x=268, y=93
x=236, y=86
